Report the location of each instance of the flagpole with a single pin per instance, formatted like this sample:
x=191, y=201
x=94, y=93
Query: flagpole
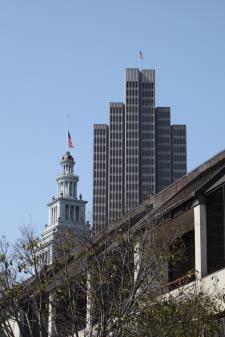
x=67, y=132
x=140, y=59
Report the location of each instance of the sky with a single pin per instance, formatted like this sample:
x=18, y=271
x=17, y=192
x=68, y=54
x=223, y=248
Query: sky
x=60, y=57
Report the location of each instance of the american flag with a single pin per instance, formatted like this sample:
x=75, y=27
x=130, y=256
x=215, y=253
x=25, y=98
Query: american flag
x=141, y=56
x=69, y=140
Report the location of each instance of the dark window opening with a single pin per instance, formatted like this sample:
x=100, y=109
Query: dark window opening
x=77, y=213
x=215, y=230
x=181, y=270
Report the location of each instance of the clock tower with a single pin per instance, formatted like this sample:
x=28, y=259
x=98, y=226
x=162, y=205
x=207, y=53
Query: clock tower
x=67, y=210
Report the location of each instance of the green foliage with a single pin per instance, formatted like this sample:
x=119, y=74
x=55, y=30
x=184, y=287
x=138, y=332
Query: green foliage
x=190, y=314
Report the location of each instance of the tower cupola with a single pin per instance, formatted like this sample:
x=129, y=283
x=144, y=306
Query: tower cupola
x=67, y=163
x=67, y=181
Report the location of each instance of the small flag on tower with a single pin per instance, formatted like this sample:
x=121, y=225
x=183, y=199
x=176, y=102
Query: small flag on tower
x=141, y=55
x=69, y=141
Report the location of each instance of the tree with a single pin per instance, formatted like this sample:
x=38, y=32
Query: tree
x=111, y=284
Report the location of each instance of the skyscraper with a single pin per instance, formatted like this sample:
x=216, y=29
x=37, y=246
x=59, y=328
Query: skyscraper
x=138, y=153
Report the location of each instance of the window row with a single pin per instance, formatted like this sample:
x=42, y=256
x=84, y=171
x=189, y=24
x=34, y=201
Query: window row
x=147, y=127
x=72, y=213
x=148, y=188
x=164, y=148
x=115, y=194
x=101, y=140
x=99, y=191
x=132, y=92
x=179, y=140
x=179, y=132
x=99, y=165
x=148, y=161
x=116, y=142
x=116, y=128
x=131, y=84
x=147, y=144
x=100, y=132
x=147, y=85
x=179, y=167
x=179, y=157
x=132, y=100
x=131, y=177
x=116, y=179
x=163, y=156
x=116, y=152
x=148, y=119
x=132, y=118
x=147, y=101
x=164, y=174
x=132, y=152
x=147, y=179
x=99, y=156
x=99, y=200
x=100, y=174
x=100, y=183
x=148, y=169
x=131, y=109
x=116, y=112
x=149, y=135
x=147, y=93
x=164, y=165
x=179, y=149
x=100, y=148
x=116, y=161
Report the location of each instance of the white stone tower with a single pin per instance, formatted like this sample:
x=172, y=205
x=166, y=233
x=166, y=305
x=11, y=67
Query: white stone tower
x=65, y=210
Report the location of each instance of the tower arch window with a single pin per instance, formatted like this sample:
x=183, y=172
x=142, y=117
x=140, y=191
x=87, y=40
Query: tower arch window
x=77, y=213
x=70, y=189
x=66, y=212
x=74, y=189
x=53, y=214
x=71, y=212
x=66, y=188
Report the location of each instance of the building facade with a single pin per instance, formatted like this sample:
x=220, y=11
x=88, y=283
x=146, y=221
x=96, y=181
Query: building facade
x=138, y=154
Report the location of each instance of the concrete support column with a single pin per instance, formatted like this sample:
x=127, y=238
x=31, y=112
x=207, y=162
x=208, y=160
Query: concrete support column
x=51, y=318
x=200, y=239
x=89, y=307
x=136, y=261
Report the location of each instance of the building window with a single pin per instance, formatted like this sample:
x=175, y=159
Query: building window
x=77, y=213
x=66, y=212
x=72, y=213
x=66, y=187
x=70, y=188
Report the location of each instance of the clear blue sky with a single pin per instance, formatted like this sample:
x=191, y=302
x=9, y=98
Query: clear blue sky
x=60, y=57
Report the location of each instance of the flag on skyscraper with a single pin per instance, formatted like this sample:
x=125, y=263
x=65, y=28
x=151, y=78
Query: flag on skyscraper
x=69, y=140
x=141, y=55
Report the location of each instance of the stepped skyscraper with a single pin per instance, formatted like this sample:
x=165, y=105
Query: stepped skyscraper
x=138, y=154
